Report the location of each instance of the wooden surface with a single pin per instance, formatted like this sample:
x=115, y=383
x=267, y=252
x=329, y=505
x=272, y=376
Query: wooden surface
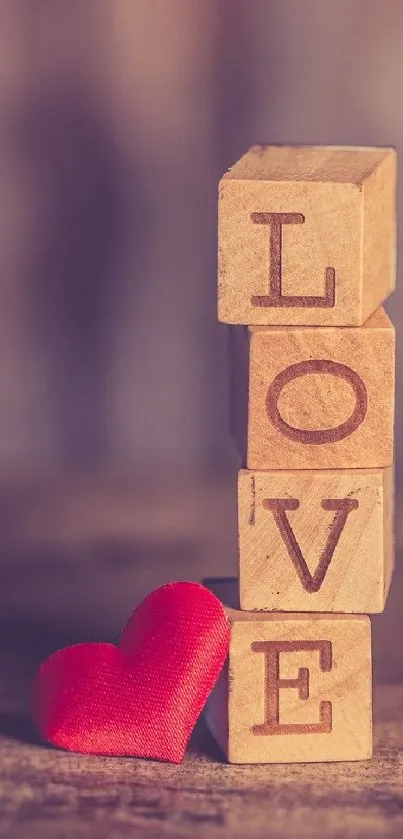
x=315, y=540
x=52, y=795
x=306, y=235
x=318, y=398
x=297, y=687
x=77, y=555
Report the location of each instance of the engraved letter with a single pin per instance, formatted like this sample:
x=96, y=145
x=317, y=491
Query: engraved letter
x=278, y=507
x=275, y=297
x=272, y=650
x=326, y=435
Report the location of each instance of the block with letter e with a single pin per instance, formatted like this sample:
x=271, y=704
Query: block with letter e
x=314, y=398
x=306, y=235
x=296, y=687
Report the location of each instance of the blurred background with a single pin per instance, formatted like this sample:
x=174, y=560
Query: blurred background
x=116, y=122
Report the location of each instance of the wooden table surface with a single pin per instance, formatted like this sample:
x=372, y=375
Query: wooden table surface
x=77, y=555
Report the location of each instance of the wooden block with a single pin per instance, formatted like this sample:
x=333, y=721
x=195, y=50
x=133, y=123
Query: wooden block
x=297, y=688
x=319, y=541
x=317, y=398
x=306, y=235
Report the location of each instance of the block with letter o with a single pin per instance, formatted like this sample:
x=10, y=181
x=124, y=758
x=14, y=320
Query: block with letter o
x=316, y=398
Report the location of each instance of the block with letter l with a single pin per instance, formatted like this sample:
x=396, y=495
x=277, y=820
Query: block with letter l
x=306, y=235
x=314, y=398
x=296, y=687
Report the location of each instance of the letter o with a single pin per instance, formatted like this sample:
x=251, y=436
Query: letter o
x=326, y=435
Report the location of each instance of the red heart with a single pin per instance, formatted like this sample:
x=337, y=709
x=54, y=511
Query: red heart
x=142, y=698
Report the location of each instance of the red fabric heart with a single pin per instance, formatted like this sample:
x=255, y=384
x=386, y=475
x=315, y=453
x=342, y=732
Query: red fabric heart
x=142, y=698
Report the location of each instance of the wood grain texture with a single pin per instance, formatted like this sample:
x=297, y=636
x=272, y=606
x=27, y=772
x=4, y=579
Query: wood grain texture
x=307, y=235
x=317, y=398
x=315, y=541
x=297, y=687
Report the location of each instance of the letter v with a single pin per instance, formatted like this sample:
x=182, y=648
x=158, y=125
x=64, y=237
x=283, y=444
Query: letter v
x=342, y=506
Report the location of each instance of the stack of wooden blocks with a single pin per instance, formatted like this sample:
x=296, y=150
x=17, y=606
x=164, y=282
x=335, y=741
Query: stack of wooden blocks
x=306, y=258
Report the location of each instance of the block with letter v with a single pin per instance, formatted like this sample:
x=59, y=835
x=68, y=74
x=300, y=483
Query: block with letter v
x=315, y=540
